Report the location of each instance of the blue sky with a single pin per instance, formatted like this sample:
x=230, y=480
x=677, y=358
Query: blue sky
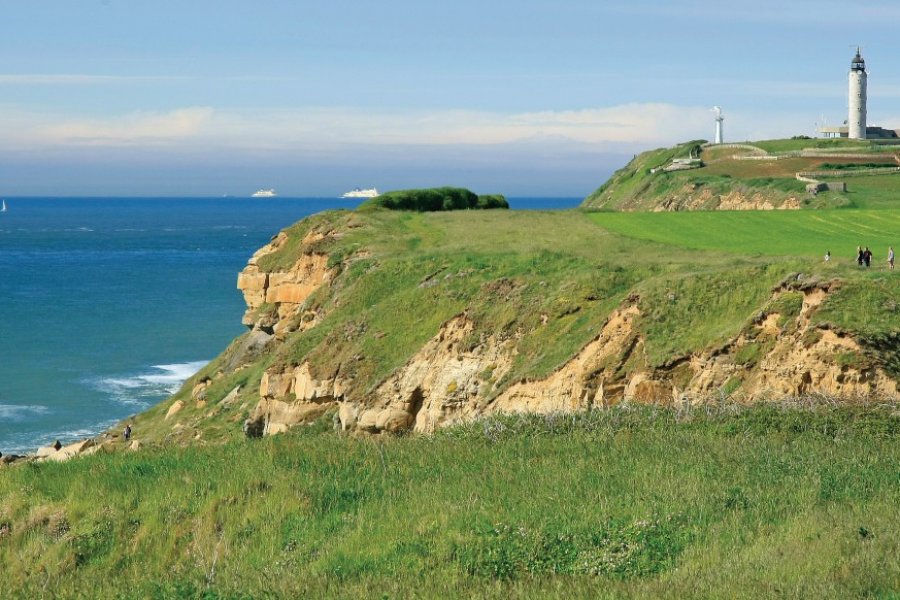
x=114, y=97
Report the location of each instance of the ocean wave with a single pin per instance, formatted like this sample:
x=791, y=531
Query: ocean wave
x=17, y=412
x=143, y=389
x=175, y=374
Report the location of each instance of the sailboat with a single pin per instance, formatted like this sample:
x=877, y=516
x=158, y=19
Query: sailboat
x=3, y=207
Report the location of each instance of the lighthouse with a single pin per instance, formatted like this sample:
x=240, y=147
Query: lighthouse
x=719, y=119
x=856, y=122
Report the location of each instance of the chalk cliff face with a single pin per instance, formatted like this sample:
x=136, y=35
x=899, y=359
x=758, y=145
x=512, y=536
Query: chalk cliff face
x=694, y=197
x=282, y=292
x=460, y=374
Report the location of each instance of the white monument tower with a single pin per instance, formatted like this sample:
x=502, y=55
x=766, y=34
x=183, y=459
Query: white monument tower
x=719, y=119
x=856, y=122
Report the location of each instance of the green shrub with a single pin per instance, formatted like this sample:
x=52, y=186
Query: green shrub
x=436, y=199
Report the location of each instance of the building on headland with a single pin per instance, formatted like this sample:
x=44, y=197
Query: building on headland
x=856, y=127
x=719, y=119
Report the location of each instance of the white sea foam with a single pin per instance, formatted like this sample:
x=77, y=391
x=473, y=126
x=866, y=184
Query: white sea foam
x=145, y=388
x=175, y=375
x=27, y=442
x=16, y=412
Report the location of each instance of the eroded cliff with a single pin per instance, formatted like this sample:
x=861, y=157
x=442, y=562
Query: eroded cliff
x=398, y=322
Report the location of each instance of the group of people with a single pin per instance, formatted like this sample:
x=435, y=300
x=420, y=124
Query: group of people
x=864, y=257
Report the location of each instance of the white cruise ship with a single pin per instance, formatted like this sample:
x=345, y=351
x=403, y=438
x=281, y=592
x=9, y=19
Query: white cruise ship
x=269, y=193
x=360, y=193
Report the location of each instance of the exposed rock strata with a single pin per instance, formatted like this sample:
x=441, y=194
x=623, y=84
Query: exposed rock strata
x=448, y=381
x=275, y=298
x=694, y=197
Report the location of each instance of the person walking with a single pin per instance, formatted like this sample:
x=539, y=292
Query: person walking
x=891, y=258
x=126, y=433
x=860, y=256
x=867, y=257
x=827, y=255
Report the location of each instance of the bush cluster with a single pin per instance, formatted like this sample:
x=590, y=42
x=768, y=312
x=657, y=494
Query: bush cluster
x=436, y=199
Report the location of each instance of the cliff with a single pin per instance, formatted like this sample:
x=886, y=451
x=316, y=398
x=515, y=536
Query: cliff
x=401, y=321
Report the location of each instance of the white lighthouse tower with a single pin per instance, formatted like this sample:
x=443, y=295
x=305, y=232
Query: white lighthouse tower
x=719, y=119
x=856, y=122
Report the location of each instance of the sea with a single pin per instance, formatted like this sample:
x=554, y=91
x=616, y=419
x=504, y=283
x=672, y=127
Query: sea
x=107, y=305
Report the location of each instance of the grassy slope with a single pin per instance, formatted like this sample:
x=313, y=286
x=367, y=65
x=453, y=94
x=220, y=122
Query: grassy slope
x=634, y=188
x=507, y=269
x=767, y=502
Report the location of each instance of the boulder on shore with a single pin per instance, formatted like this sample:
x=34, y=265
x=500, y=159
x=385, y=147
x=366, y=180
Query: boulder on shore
x=46, y=451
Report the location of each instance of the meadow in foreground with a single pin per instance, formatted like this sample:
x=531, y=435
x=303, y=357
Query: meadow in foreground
x=775, y=500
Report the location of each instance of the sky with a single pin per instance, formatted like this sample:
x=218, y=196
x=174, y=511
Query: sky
x=313, y=98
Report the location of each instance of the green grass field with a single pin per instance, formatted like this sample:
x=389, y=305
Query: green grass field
x=806, y=234
x=638, y=502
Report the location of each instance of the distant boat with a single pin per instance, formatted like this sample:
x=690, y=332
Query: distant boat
x=361, y=193
x=3, y=207
x=269, y=193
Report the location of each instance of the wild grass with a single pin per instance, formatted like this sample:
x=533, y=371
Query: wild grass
x=715, y=501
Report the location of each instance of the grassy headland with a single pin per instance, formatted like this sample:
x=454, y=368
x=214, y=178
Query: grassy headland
x=549, y=281
x=754, y=175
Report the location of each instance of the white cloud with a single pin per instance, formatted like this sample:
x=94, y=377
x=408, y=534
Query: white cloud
x=625, y=128
x=133, y=129
x=333, y=127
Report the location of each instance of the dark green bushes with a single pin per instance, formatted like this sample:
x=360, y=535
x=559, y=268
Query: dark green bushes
x=436, y=199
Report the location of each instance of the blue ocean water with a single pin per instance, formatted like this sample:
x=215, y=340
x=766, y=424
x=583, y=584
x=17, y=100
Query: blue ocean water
x=108, y=305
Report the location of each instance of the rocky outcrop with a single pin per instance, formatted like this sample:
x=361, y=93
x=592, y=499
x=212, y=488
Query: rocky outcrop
x=447, y=381
x=586, y=380
x=695, y=197
x=275, y=298
x=289, y=397
x=59, y=453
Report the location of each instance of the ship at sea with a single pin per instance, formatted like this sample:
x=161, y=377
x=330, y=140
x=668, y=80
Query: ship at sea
x=361, y=193
x=269, y=193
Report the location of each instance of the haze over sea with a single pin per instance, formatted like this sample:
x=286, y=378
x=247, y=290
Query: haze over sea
x=109, y=304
